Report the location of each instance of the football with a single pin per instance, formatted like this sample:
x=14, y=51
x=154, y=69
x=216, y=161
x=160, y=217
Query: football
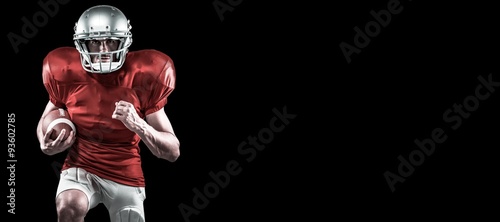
x=58, y=120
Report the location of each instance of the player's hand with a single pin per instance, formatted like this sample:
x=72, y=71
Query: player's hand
x=125, y=112
x=51, y=147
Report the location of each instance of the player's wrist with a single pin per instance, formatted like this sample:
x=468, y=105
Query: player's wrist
x=141, y=127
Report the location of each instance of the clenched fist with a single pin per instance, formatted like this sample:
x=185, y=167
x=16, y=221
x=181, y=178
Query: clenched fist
x=126, y=113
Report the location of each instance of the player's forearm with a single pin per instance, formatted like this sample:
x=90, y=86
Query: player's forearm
x=52, y=151
x=163, y=145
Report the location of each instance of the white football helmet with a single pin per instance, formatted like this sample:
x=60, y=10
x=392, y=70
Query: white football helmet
x=98, y=23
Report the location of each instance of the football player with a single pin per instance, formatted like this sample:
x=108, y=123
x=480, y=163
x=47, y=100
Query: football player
x=115, y=98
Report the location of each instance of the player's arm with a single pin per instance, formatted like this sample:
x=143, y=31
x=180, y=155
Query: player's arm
x=47, y=145
x=159, y=136
x=156, y=130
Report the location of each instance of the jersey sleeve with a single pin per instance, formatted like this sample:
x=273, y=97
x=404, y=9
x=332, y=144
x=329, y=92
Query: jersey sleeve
x=162, y=87
x=55, y=91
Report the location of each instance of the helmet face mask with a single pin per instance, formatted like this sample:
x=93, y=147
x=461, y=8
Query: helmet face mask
x=99, y=23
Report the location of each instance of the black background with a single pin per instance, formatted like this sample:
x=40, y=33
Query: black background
x=352, y=121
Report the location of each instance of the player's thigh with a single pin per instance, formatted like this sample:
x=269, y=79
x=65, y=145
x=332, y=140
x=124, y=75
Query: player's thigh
x=76, y=187
x=126, y=203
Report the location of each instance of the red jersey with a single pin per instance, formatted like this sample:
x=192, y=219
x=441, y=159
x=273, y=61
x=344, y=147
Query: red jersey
x=104, y=146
